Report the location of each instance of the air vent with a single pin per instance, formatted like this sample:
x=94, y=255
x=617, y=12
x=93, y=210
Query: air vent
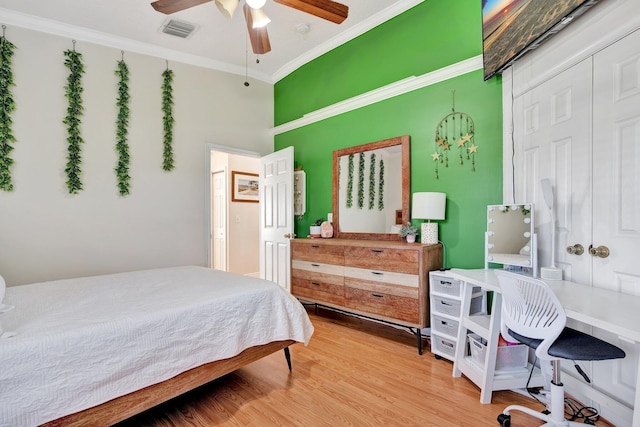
x=178, y=28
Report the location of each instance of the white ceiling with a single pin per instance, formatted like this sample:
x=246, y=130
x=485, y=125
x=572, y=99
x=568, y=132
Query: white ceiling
x=219, y=43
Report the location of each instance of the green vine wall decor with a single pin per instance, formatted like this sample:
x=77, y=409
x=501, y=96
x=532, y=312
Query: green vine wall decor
x=361, y=181
x=73, y=93
x=122, y=129
x=350, y=182
x=381, y=186
x=7, y=106
x=372, y=181
x=167, y=119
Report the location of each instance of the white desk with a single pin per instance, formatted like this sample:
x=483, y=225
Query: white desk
x=607, y=310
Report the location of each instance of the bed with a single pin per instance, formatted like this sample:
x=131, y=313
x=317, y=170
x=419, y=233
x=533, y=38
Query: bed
x=107, y=347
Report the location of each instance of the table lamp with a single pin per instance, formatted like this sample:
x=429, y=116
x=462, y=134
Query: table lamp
x=428, y=206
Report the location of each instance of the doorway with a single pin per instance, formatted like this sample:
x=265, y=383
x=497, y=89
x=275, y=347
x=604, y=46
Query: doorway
x=233, y=225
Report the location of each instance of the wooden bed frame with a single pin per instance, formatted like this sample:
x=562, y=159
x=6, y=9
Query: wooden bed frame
x=126, y=406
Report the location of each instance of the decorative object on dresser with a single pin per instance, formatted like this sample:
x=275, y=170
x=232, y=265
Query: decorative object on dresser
x=315, y=229
x=326, y=230
x=381, y=280
x=408, y=232
x=429, y=206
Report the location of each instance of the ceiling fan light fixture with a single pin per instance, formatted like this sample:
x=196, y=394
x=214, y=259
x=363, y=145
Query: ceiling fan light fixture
x=256, y=4
x=259, y=18
x=227, y=7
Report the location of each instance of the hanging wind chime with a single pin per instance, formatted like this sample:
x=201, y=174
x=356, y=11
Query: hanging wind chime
x=455, y=131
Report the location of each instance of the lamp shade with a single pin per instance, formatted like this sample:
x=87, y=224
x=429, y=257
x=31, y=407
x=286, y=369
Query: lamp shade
x=428, y=205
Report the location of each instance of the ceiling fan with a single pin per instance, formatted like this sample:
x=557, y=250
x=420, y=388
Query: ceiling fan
x=256, y=18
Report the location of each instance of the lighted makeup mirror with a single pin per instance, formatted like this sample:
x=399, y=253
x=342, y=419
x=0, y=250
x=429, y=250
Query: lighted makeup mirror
x=510, y=239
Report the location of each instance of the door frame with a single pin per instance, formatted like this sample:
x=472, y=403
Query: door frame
x=207, y=202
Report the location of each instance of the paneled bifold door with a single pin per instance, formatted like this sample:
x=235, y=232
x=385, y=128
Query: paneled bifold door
x=581, y=129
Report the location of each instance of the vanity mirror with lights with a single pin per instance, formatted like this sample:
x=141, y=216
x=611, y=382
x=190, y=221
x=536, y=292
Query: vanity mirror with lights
x=510, y=239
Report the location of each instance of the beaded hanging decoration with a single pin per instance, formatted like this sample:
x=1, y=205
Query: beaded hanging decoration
x=455, y=130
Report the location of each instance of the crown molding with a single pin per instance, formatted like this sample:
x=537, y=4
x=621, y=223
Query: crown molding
x=48, y=26
x=30, y=22
x=351, y=33
x=385, y=92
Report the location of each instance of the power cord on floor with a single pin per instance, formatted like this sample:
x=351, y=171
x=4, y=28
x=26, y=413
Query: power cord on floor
x=573, y=409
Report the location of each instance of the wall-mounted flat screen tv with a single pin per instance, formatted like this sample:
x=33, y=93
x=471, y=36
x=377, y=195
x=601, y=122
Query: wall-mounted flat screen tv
x=511, y=28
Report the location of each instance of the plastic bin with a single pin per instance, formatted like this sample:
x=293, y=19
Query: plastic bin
x=512, y=357
x=446, y=306
x=443, y=346
x=445, y=285
x=445, y=326
x=508, y=357
x=477, y=348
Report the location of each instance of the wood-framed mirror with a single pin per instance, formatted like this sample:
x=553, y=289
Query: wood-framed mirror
x=371, y=189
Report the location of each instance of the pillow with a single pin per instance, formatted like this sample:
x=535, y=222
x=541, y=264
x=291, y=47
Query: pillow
x=4, y=308
x=3, y=286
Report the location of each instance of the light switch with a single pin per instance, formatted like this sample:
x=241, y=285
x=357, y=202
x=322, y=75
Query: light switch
x=330, y=217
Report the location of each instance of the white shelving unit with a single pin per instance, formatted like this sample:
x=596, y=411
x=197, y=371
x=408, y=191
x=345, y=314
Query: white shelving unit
x=486, y=325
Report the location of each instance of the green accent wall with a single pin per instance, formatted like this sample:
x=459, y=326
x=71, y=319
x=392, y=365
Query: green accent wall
x=432, y=35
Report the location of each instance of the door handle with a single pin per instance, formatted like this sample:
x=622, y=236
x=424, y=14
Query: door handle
x=576, y=249
x=289, y=235
x=600, y=251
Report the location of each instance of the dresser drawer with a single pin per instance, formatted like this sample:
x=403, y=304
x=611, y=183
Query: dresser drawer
x=381, y=258
x=319, y=253
x=383, y=276
x=317, y=287
x=317, y=267
x=387, y=305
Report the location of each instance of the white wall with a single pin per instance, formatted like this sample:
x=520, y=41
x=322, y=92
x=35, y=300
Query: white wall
x=45, y=233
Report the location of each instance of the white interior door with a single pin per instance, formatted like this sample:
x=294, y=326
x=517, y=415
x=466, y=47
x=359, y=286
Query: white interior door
x=219, y=221
x=552, y=135
x=276, y=216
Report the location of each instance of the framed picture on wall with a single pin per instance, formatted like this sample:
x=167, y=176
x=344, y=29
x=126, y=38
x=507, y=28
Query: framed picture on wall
x=245, y=187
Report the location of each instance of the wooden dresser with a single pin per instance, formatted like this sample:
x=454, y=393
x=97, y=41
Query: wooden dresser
x=383, y=280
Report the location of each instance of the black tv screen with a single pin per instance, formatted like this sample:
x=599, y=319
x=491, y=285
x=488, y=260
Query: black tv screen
x=510, y=28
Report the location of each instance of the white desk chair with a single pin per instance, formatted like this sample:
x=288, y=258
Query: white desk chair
x=532, y=315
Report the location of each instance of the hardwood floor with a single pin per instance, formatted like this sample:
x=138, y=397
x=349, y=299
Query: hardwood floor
x=353, y=373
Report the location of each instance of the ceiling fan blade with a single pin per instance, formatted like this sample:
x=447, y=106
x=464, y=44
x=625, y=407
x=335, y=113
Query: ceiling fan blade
x=172, y=6
x=259, y=38
x=325, y=9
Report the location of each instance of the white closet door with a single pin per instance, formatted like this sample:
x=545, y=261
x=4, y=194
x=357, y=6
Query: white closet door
x=616, y=195
x=616, y=166
x=552, y=134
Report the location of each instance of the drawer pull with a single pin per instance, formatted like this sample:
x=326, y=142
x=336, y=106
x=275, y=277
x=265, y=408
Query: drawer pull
x=446, y=303
x=377, y=295
x=378, y=251
x=445, y=284
x=315, y=283
x=377, y=273
x=315, y=246
x=315, y=265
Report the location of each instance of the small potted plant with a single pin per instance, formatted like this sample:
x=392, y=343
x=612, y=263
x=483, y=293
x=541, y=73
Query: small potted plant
x=409, y=232
x=315, y=230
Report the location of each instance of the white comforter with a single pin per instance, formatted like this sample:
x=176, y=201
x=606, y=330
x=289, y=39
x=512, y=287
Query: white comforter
x=82, y=342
